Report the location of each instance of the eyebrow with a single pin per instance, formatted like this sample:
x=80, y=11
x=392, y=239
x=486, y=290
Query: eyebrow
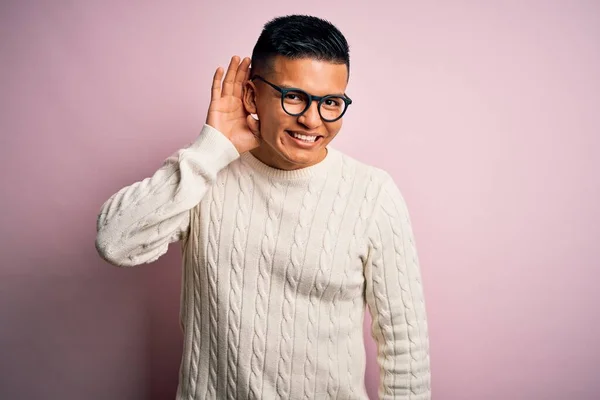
x=329, y=94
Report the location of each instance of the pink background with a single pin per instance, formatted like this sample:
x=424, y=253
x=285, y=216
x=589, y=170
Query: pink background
x=486, y=113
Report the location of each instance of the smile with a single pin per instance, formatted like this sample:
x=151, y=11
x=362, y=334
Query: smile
x=304, y=138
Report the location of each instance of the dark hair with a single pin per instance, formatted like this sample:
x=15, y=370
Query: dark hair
x=299, y=36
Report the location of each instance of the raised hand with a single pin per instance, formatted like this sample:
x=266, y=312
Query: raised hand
x=226, y=111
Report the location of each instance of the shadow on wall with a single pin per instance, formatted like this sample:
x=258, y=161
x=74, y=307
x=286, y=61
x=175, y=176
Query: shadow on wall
x=165, y=340
x=99, y=333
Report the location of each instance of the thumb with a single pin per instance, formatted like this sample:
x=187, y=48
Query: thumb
x=254, y=126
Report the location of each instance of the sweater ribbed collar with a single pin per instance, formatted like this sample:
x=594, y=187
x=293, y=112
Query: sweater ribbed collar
x=319, y=169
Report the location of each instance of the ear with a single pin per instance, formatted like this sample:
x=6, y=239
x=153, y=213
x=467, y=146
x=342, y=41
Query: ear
x=249, y=97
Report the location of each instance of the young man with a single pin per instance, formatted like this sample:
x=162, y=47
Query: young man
x=284, y=239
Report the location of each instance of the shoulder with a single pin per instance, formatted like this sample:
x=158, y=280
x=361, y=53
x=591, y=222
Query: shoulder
x=378, y=186
x=376, y=178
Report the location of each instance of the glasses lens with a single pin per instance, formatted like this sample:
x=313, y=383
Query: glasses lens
x=332, y=107
x=295, y=102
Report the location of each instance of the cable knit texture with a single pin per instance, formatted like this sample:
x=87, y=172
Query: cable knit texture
x=278, y=269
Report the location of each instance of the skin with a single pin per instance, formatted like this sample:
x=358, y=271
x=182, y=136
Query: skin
x=234, y=99
x=226, y=111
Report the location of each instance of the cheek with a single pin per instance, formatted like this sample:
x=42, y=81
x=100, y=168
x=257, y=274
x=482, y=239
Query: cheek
x=271, y=127
x=334, y=129
x=269, y=113
x=275, y=122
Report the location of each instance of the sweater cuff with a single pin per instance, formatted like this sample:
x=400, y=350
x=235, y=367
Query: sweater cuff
x=216, y=149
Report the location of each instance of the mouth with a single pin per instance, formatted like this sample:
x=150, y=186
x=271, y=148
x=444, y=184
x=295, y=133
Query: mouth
x=304, y=138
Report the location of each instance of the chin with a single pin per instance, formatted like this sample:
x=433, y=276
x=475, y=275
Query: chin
x=289, y=153
x=303, y=158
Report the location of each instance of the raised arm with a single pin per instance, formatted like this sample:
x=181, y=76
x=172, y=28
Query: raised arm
x=137, y=224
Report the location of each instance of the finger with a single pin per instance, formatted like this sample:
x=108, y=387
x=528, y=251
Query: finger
x=247, y=75
x=241, y=77
x=215, y=90
x=230, y=76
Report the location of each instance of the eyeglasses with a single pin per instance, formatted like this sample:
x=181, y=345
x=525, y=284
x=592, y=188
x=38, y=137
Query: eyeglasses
x=296, y=102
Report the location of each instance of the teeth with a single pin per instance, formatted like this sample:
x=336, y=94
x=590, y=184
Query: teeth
x=304, y=137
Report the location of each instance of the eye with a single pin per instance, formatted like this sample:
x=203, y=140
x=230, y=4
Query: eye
x=292, y=96
x=333, y=103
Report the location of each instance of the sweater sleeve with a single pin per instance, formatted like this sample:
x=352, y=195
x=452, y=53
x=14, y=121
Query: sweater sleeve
x=137, y=224
x=395, y=298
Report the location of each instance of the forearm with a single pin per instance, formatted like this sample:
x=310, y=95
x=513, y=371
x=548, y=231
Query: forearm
x=400, y=329
x=138, y=222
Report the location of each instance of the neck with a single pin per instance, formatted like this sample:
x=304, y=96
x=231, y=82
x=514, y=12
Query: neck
x=278, y=162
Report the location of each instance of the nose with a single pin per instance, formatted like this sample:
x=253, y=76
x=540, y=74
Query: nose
x=311, y=118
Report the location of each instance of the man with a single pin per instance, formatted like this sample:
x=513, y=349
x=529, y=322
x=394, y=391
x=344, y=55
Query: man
x=284, y=239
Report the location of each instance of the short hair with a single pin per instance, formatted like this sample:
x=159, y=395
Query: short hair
x=297, y=37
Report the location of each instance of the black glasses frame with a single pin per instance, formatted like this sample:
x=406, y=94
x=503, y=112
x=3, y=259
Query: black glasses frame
x=311, y=98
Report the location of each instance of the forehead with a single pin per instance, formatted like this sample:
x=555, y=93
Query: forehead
x=314, y=76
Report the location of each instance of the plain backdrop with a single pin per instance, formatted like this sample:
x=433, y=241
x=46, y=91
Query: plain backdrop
x=485, y=113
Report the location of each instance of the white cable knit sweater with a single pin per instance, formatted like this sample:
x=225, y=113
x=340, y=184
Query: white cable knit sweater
x=277, y=268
